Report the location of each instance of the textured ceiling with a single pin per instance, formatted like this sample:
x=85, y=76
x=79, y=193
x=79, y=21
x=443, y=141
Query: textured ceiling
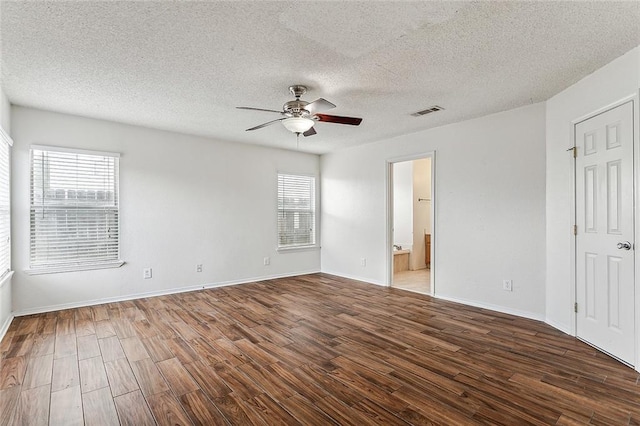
x=185, y=66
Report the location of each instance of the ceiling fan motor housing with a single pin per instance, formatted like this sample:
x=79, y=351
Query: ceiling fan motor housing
x=295, y=108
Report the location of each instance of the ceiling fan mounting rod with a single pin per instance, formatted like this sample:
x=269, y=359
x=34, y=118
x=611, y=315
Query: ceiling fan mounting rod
x=298, y=90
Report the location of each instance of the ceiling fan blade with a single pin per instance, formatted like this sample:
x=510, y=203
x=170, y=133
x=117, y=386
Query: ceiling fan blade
x=259, y=109
x=268, y=123
x=319, y=105
x=310, y=132
x=353, y=121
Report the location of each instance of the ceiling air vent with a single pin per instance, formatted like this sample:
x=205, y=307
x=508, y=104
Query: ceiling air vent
x=429, y=110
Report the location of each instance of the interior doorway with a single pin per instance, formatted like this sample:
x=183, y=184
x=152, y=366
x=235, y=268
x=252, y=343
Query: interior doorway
x=411, y=223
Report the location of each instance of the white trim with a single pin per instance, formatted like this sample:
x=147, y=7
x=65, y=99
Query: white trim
x=75, y=151
x=562, y=327
x=636, y=206
x=612, y=105
x=389, y=220
x=411, y=157
x=298, y=248
x=6, y=279
x=389, y=215
x=5, y=137
x=74, y=268
x=434, y=235
x=6, y=325
x=177, y=290
x=574, y=219
x=357, y=278
x=497, y=308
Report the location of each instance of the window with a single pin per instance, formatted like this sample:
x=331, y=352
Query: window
x=5, y=205
x=296, y=211
x=74, y=210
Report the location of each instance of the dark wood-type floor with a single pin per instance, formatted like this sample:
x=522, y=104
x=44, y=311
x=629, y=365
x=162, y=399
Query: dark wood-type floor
x=312, y=350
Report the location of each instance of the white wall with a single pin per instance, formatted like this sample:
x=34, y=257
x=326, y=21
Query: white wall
x=421, y=211
x=490, y=209
x=403, y=204
x=184, y=200
x=614, y=81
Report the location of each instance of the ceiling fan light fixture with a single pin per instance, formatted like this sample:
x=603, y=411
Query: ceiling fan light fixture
x=298, y=124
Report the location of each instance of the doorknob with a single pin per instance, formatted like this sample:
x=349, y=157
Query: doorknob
x=626, y=245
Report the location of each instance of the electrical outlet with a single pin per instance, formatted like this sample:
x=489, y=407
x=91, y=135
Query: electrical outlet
x=363, y=261
x=507, y=285
x=266, y=261
x=199, y=267
x=146, y=273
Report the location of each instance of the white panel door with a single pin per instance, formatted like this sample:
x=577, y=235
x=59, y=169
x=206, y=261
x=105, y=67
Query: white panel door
x=604, y=215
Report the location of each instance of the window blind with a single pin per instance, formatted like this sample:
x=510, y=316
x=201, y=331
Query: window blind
x=5, y=204
x=296, y=211
x=74, y=208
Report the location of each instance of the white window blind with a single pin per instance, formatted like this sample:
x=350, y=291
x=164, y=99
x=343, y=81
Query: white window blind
x=5, y=205
x=296, y=211
x=74, y=209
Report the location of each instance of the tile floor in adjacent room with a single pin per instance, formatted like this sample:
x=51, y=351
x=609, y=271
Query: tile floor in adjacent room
x=417, y=281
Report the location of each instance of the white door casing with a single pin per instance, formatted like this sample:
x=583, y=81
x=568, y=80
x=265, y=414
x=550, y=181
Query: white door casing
x=605, y=218
x=389, y=215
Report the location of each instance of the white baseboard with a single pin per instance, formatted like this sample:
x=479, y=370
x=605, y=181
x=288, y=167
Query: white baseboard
x=562, y=327
x=497, y=308
x=5, y=326
x=38, y=310
x=84, y=303
x=356, y=278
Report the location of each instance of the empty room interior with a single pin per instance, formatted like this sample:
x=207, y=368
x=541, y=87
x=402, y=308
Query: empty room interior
x=319, y=213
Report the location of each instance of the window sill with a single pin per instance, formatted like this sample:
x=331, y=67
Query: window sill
x=75, y=268
x=297, y=248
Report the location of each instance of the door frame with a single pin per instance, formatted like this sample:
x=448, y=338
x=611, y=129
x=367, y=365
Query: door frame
x=636, y=216
x=389, y=215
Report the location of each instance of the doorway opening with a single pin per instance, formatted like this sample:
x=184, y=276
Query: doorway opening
x=411, y=223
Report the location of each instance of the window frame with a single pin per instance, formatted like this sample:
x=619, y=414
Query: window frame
x=81, y=266
x=7, y=142
x=316, y=217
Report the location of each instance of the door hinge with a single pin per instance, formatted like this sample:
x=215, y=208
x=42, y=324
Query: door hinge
x=575, y=151
x=575, y=307
x=575, y=229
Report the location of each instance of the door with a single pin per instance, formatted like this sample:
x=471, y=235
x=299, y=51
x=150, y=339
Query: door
x=605, y=232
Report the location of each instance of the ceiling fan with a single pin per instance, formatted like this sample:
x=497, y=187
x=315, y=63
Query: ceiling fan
x=300, y=116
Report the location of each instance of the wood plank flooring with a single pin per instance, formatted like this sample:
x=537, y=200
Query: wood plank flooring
x=311, y=350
